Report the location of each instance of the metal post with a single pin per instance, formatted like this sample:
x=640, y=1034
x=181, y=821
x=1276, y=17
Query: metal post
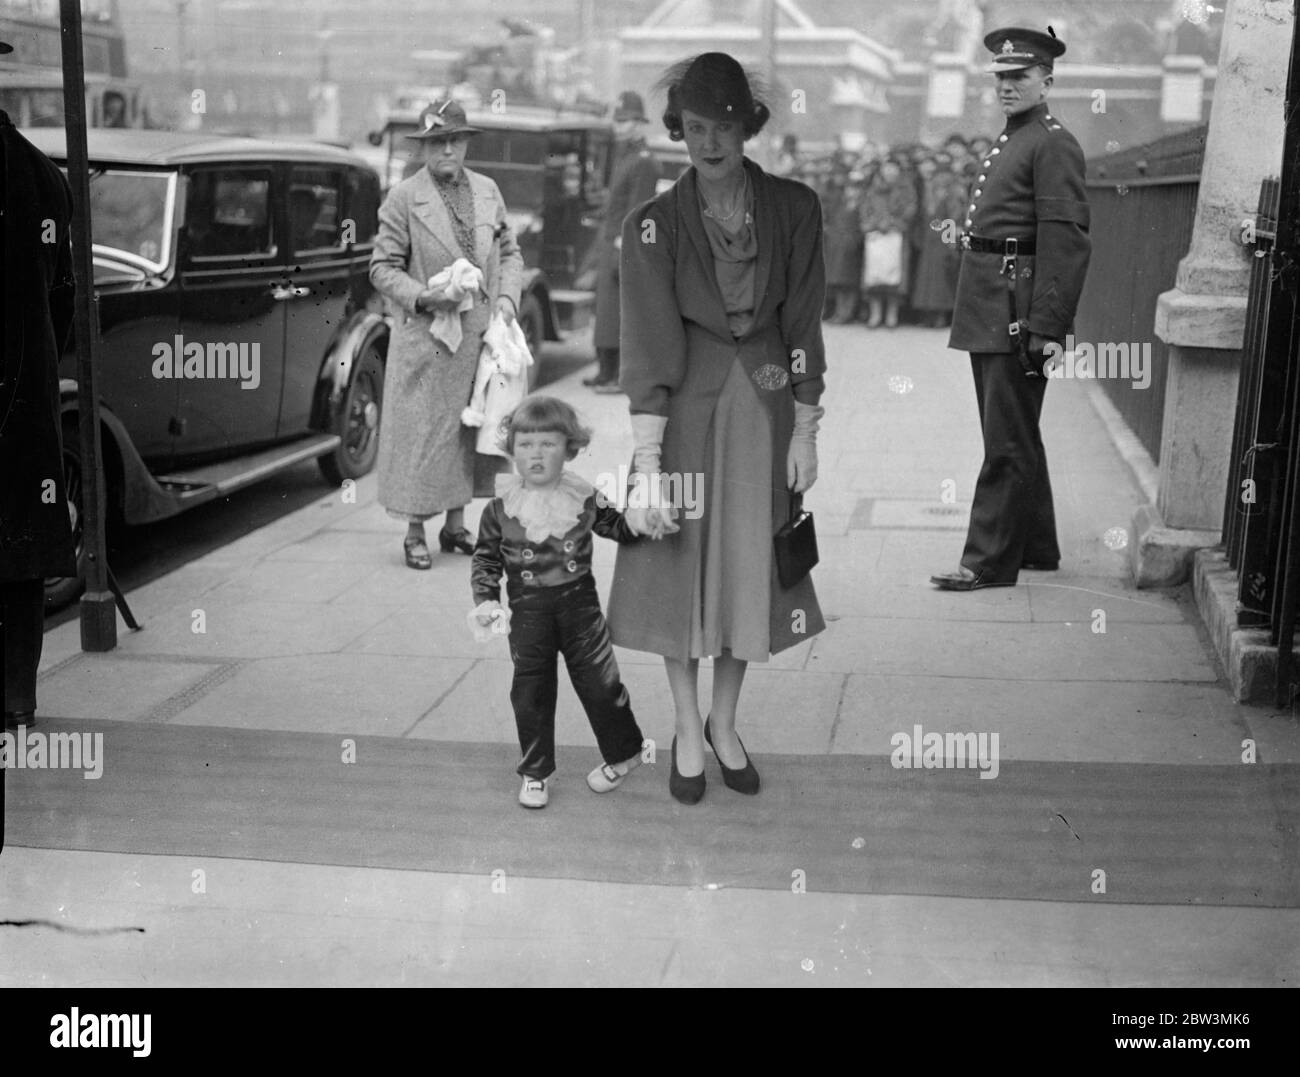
x=767, y=157
x=98, y=610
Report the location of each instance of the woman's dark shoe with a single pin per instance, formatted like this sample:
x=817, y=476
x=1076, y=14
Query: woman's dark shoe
x=417, y=552
x=744, y=780
x=687, y=790
x=462, y=540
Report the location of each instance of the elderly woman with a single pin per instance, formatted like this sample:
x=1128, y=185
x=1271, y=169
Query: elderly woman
x=723, y=286
x=445, y=211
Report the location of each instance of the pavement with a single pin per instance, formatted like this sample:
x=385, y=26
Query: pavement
x=313, y=625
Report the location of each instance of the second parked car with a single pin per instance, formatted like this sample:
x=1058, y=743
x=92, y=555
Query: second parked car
x=239, y=332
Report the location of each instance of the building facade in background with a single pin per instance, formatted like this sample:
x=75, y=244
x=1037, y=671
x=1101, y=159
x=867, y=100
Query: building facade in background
x=884, y=70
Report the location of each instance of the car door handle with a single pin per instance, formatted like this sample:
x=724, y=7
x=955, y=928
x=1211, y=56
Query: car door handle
x=289, y=291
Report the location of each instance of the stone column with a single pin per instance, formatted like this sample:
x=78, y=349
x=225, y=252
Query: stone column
x=1203, y=317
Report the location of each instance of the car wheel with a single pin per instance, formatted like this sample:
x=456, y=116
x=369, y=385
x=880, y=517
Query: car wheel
x=358, y=422
x=534, y=327
x=61, y=591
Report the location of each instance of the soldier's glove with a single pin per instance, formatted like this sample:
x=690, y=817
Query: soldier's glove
x=801, y=460
x=650, y=510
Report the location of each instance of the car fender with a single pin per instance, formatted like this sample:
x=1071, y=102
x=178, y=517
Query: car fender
x=142, y=500
x=362, y=329
x=534, y=283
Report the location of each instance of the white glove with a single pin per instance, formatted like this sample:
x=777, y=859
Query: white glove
x=801, y=460
x=650, y=511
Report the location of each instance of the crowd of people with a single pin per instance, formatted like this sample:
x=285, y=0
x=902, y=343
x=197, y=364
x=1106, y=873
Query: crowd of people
x=891, y=215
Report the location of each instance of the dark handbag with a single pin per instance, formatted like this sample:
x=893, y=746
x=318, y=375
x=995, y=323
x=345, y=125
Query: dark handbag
x=796, y=545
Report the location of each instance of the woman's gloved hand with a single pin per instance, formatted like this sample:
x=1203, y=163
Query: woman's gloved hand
x=801, y=460
x=650, y=511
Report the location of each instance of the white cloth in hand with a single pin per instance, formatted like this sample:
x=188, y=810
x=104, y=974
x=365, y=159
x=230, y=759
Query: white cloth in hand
x=461, y=282
x=498, y=618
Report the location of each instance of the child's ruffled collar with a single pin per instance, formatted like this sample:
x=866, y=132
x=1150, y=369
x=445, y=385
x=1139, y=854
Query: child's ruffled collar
x=544, y=513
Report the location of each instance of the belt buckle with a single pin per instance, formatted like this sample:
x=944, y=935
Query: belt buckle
x=1009, y=254
x=965, y=241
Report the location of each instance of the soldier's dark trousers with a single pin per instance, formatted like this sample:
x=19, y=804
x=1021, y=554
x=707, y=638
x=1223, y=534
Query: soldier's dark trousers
x=545, y=622
x=608, y=360
x=1012, y=520
x=22, y=609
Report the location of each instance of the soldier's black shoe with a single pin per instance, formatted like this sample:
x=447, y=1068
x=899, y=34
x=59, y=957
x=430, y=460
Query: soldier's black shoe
x=1040, y=566
x=13, y=719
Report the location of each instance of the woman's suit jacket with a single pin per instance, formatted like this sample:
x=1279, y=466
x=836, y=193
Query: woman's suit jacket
x=677, y=350
x=427, y=462
x=416, y=240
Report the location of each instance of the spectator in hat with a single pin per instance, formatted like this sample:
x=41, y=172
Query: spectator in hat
x=36, y=535
x=942, y=209
x=888, y=207
x=444, y=212
x=635, y=175
x=844, y=245
x=723, y=284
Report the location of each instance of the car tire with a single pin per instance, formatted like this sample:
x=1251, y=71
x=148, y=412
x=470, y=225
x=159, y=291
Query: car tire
x=534, y=327
x=61, y=591
x=358, y=422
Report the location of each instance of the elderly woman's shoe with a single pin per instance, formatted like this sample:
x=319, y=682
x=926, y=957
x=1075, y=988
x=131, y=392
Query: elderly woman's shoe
x=461, y=540
x=743, y=780
x=417, y=552
x=687, y=790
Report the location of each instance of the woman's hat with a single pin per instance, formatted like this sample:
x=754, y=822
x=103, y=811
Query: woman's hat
x=630, y=107
x=443, y=119
x=716, y=87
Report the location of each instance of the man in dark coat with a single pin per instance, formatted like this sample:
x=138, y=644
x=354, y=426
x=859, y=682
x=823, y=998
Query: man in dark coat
x=633, y=181
x=1028, y=187
x=36, y=538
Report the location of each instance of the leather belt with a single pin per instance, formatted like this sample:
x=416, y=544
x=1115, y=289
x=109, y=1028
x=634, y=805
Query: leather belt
x=996, y=246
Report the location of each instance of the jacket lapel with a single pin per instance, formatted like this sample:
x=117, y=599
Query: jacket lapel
x=429, y=209
x=764, y=221
x=485, y=214
x=688, y=209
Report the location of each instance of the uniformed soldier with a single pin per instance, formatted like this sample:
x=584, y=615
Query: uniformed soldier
x=1025, y=253
x=633, y=181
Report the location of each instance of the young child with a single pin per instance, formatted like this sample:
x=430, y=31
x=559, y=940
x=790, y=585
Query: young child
x=537, y=531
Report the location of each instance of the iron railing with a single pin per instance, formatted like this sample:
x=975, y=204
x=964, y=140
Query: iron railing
x=1143, y=202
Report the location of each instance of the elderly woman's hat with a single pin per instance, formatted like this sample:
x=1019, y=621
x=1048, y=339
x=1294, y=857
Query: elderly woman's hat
x=443, y=119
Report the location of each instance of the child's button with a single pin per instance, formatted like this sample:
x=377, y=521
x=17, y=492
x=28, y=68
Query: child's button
x=572, y=566
x=568, y=546
x=527, y=554
x=526, y=575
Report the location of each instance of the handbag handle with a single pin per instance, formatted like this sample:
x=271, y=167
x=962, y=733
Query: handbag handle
x=796, y=506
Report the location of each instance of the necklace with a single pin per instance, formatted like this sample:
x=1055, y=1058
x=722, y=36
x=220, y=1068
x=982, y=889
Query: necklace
x=740, y=201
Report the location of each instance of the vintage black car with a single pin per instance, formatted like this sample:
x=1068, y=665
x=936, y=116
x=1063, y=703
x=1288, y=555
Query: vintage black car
x=553, y=169
x=239, y=332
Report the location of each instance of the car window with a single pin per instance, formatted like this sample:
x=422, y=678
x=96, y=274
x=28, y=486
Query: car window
x=361, y=205
x=132, y=212
x=315, y=205
x=227, y=213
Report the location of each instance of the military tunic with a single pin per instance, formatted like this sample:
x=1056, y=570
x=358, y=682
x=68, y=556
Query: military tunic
x=1030, y=187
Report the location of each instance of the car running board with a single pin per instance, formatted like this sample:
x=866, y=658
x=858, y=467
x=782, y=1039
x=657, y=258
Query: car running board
x=216, y=480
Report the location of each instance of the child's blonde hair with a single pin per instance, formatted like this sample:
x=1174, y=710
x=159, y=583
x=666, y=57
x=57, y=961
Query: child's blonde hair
x=546, y=414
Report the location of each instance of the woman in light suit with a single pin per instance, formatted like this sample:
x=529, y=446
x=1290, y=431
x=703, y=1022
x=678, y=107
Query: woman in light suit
x=427, y=459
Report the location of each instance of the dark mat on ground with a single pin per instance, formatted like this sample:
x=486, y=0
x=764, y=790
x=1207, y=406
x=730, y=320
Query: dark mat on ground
x=1167, y=834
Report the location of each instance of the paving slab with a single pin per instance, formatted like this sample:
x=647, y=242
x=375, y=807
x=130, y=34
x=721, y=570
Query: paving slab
x=352, y=695
x=1046, y=652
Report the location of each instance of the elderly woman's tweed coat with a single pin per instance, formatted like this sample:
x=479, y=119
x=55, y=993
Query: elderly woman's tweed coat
x=677, y=352
x=426, y=457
